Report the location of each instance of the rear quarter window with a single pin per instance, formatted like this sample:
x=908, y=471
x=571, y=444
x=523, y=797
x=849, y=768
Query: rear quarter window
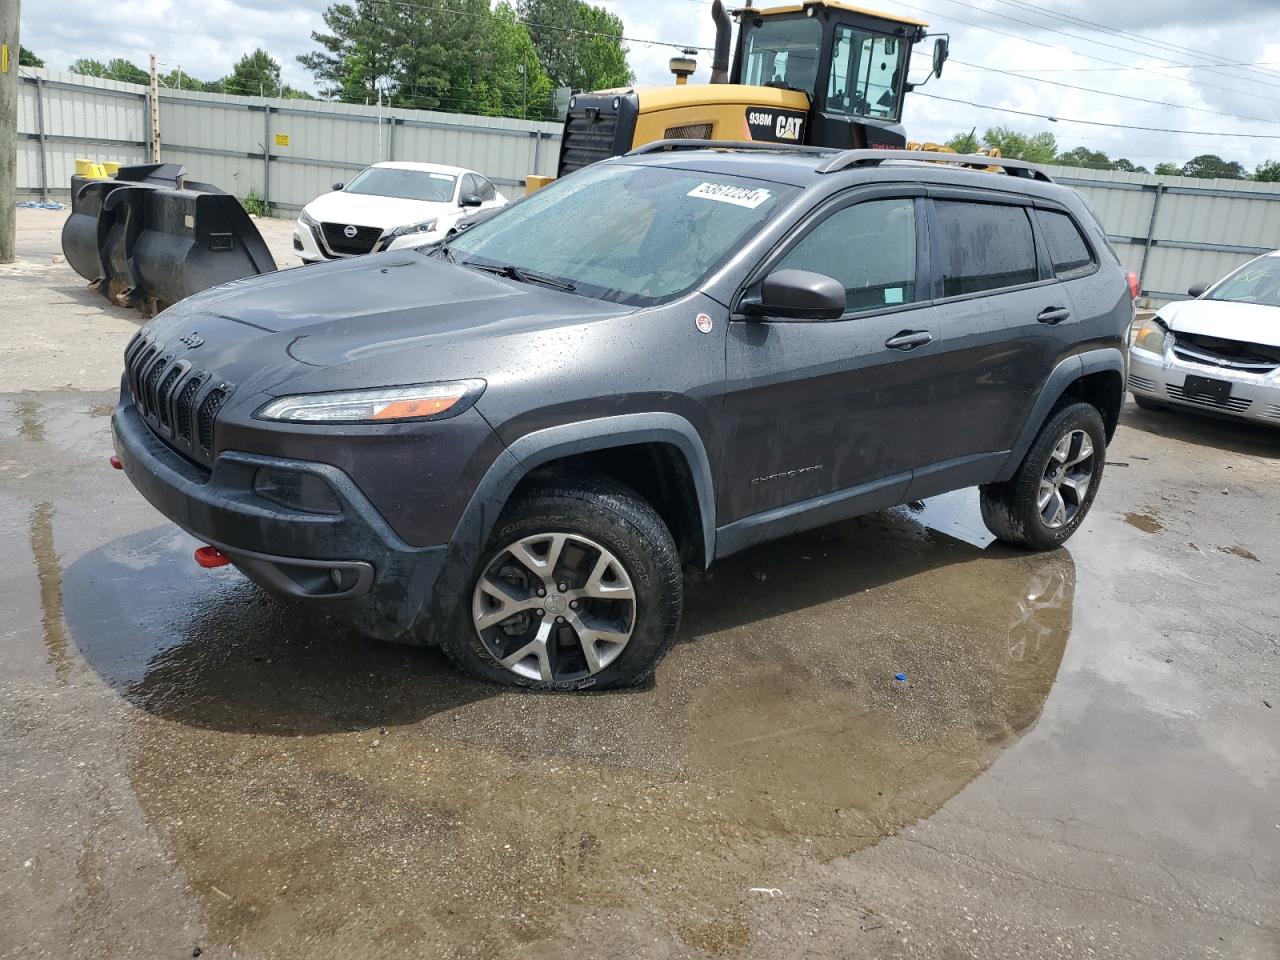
x=985, y=246
x=1068, y=248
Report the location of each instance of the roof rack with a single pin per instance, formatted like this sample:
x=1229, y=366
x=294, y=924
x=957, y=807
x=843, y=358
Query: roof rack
x=869, y=158
x=661, y=146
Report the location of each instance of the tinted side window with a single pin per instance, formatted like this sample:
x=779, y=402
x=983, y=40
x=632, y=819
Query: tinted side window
x=869, y=247
x=985, y=246
x=486, y=190
x=1067, y=247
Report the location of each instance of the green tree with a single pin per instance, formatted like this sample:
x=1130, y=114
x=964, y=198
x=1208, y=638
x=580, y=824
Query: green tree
x=1167, y=169
x=255, y=74
x=1037, y=148
x=1268, y=170
x=117, y=69
x=1209, y=165
x=506, y=50
x=28, y=59
x=964, y=142
x=1084, y=157
x=1128, y=166
x=580, y=45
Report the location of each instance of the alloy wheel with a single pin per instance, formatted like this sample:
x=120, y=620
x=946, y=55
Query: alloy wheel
x=554, y=607
x=1066, y=479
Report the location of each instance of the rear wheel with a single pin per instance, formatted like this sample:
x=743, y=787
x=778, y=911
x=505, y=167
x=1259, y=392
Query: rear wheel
x=1045, y=502
x=580, y=588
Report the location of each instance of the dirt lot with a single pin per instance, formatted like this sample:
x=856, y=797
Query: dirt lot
x=1084, y=762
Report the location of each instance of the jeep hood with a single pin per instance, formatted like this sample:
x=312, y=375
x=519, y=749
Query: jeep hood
x=1246, y=322
x=390, y=303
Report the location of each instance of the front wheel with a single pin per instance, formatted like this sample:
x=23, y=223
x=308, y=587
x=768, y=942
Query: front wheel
x=1045, y=502
x=580, y=588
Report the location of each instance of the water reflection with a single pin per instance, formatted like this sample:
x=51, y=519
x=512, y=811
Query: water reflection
x=377, y=784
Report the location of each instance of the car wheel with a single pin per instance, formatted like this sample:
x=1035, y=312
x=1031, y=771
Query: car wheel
x=1146, y=403
x=1045, y=502
x=580, y=588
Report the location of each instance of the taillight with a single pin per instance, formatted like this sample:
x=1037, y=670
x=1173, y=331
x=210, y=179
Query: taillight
x=1134, y=289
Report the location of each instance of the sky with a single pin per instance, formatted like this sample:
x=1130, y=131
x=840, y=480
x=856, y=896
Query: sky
x=1143, y=56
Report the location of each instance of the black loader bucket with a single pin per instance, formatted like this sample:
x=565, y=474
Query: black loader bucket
x=150, y=237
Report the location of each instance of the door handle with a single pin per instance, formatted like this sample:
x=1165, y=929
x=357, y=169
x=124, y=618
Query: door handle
x=909, y=339
x=1052, y=315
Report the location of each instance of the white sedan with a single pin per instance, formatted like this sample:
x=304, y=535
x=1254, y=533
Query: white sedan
x=1219, y=352
x=390, y=205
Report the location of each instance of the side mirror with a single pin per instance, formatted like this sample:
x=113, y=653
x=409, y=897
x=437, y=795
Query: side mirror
x=797, y=295
x=339, y=185
x=1197, y=289
x=469, y=200
x=941, y=50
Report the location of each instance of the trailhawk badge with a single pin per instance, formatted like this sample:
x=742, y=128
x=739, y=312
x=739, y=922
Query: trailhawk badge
x=703, y=323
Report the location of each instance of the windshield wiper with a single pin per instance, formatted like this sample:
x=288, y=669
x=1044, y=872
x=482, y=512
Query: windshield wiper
x=521, y=275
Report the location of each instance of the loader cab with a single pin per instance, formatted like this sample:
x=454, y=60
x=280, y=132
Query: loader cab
x=851, y=63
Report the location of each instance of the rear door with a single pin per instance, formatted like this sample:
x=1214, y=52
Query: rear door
x=1002, y=314
x=824, y=407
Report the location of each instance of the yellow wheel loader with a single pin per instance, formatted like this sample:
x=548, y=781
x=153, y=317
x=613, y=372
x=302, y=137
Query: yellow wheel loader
x=820, y=73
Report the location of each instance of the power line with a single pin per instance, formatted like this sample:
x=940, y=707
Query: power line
x=1108, y=93
x=620, y=38
x=1099, y=123
x=1088, y=56
x=1214, y=59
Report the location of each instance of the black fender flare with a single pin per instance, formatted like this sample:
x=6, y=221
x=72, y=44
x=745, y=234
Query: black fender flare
x=538, y=447
x=1067, y=372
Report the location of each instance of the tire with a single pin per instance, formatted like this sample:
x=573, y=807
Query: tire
x=1146, y=403
x=582, y=519
x=1014, y=511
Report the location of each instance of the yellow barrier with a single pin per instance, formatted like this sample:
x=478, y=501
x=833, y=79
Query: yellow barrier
x=95, y=171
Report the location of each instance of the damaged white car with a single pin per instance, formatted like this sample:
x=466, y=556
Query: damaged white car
x=1218, y=353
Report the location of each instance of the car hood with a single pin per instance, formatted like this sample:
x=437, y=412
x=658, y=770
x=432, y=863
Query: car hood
x=1246, y=322
x=388, y=311
x=367, y=210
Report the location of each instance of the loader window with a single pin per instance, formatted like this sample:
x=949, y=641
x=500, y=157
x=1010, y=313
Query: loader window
x=866, y=74
x=783, y=53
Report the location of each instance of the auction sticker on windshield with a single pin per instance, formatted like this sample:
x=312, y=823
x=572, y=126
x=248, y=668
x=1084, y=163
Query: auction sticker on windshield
x=750, y=197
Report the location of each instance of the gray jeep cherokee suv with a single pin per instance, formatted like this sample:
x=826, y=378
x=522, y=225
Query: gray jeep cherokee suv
x=510, y=443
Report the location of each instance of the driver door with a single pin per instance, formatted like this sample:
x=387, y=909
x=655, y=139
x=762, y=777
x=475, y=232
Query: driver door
x=830, y=411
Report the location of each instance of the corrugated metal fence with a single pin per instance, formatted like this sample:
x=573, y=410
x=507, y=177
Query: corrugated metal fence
x=1171, y=231
x=287, y=151
x=1176, y=231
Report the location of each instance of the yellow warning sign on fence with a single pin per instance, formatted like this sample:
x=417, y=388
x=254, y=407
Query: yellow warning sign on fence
x=282, y=139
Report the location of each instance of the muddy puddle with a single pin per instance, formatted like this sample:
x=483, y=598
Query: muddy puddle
x=317, y=788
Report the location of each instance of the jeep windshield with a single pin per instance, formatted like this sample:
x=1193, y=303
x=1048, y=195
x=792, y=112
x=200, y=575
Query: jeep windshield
x=637, y=235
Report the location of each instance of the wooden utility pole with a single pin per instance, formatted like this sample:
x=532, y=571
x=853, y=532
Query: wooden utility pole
x=155, y=113
x=8, y=128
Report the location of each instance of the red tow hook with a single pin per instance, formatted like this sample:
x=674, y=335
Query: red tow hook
x=115, y=463
x=210, y=557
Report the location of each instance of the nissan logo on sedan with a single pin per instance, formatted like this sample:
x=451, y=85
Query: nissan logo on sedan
x=349, y=231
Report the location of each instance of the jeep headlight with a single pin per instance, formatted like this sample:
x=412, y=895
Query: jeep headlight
x=426, y=226
x=1151, y=336
x=428, y=401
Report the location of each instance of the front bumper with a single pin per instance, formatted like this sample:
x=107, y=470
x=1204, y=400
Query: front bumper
x=310, y=248
x=1254, y=397
x=351, y=560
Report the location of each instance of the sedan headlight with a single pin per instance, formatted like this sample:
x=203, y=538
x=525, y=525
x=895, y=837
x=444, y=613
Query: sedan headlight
x=309, y=220
x=426, y=226
x=1151, y=336
x=428, y=401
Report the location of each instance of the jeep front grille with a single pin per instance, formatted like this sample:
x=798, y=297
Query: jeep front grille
x=174, y=400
